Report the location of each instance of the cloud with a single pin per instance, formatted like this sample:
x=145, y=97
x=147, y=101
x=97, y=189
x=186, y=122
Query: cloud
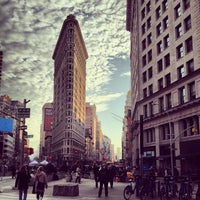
x=29, y=32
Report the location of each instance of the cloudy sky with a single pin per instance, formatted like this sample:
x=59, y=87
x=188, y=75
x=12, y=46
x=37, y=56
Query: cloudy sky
x=29, y=31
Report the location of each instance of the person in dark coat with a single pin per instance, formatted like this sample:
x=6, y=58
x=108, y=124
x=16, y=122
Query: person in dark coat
x=103, y=179
x=112, y=174
x=22, y=181
x=96, y=174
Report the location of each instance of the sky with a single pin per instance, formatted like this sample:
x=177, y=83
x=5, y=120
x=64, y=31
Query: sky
x=29, y=30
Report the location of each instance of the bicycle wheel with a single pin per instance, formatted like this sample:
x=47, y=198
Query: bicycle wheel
x=144, y=195
x=184, y=196
x=127, y=192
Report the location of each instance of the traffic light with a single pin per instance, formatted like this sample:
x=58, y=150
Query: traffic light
x=29, y=150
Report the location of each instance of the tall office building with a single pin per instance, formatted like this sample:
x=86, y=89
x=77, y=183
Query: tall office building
x=46, y=131
x=165, y=74
x=1, y=64
x=70, y=55
x=91, y=133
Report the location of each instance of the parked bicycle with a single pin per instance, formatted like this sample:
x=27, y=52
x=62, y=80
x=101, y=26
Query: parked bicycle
x=168, y=189
x=147, y=188
x=132, y=187
x=186, y=189
x=198, y=192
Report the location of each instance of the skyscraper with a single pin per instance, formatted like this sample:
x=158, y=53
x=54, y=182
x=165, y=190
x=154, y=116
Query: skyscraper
x=1, y=64
x=165, y=76
x=70, y=55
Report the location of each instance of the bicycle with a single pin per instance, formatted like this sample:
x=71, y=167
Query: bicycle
x=133, y=187
x=147, y=188
x=168, y=189
x=185, y=189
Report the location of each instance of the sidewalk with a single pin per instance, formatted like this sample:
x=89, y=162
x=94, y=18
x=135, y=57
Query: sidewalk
x=87, y=191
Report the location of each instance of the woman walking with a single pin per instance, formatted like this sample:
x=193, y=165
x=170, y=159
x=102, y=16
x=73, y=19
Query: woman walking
x=40, y=182
x=22, y=181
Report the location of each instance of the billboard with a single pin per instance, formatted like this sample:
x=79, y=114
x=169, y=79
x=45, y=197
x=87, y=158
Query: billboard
x=6, y=125
x=48, y=119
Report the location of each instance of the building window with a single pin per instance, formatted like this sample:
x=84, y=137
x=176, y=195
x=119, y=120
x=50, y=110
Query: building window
x=151, y=108
x=179, y=51
x=145, y=111
x=158, y=29
x=188, y=45
x=179, y=31
x=165, y=23
x=149, y=55
x=159, y=65
x=192, y=91
x=163, y=132
x=151, y=89
x=168, y=101
x=144, y=75
x=182, y=95
x=161, y=104
x=143, y=13
x=143, y=29
x=164, y=5
x=149, y=39
x=160, y=84
x=158, y=12
x=167, y=60
x=190, y=66
x=144, y=92
x=148, y=7
x=181, y=72
x=144, y=60
x=167, y=79
x=186, y=4
x=150, y=136
x=144, y=44
x=166, y=41
x=159, y=47
x=177, y=11
x=149, y=23
x=187, y=23
x=150, y=72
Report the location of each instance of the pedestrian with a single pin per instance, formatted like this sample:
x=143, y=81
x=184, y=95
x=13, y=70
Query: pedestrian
x=96, y=174
x=78, y=175
x=103, y=179
x=13, y=170
x=40, y=182
x=22, y=181
x=112, y=173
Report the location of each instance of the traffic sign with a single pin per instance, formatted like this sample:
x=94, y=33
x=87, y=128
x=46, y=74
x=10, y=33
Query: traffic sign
x=23, y=112
x=28, y=136
x=24, y=127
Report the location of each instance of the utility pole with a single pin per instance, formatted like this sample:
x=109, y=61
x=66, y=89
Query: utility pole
x=25, y=115
x=141, y=144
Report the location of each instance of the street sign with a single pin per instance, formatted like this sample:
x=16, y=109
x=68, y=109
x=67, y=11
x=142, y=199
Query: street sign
x=24, y=127
x=28, y=136
x=23, y=112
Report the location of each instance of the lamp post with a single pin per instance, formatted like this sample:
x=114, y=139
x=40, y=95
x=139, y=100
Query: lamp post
x=171, y=149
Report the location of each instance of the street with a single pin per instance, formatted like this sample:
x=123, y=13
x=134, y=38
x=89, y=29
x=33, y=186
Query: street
x=87, y=191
